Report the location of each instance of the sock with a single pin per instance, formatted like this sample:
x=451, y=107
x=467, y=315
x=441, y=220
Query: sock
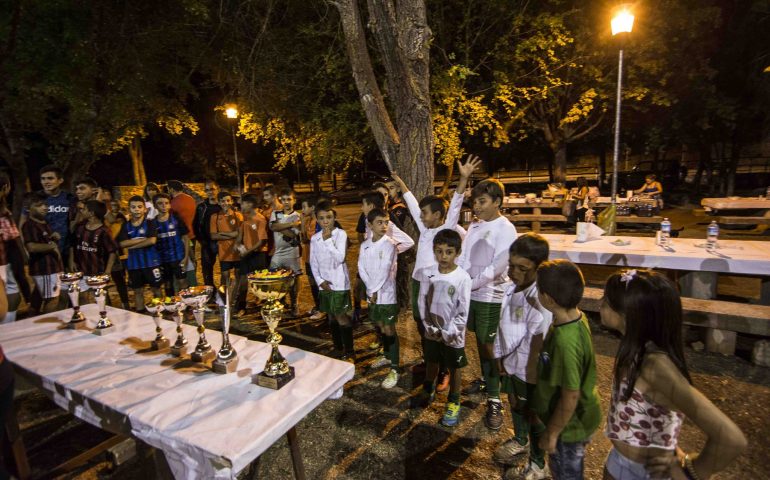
x=347, y=339
x=536, y=454
x=390, y=343
x=520, y=427
x=10, y=317
x=336, y=334
x=491, y=375
x=428, y=387
x=454, y=397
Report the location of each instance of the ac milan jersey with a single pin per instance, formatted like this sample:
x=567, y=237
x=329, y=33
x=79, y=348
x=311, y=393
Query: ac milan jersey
x=170, y=245
x=93, y=249
x=45, y=263
x=145, y=257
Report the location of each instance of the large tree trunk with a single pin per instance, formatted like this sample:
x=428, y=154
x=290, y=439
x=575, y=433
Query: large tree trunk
x=559, y=172
x=137, y=161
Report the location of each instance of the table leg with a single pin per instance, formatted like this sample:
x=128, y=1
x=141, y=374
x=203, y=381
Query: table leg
x=704, y=285
x=296, y=455
x=536, y=224
x=764, y=291
x=12, y=435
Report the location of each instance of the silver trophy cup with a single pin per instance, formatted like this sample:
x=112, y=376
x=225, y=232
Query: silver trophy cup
x=179, y=348
x=99, y=284
x=196, y=297
x=156, y=309
x=72, y=282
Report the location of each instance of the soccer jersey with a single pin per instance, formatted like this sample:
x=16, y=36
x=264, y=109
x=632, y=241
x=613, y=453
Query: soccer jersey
x=93, y=249
x=485, y=258
x=254, y=230
x=444, y=303
x=403, y=241
x=184, y=207
x=284, y=246
x=377, y=268
x=202, y=220
x=46, y=263
x=60, y=212
x=327, y=259
x=224, y=223
x=145, y=257
x=170, y=244
x=309, y=228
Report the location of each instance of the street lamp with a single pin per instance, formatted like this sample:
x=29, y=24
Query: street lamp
x=622, y=23
x=231, y=111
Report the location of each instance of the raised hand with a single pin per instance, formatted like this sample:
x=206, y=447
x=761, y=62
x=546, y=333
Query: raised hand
x=472, y=162
x=400, y=182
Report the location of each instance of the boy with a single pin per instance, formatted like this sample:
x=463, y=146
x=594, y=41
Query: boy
x=224, y=230
x=309, y=228
x=94, y=250
x=485, y=258
x=565, y=397
x=444, y=313
x=271, y=204
x=202, y=230
x=139, y=236
x=523, y=325
x=285, y=225
x=251, y=245
x=45, y=262
x=377, y=266
x=173, y=244
x=327, y=262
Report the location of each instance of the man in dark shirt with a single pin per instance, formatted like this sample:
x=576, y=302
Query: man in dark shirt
x=202, y=230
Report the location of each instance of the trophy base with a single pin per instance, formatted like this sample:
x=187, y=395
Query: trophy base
x=160, y=344
x=203, y=357
x=178, y=351
x=227, y=366
x=76, y=325
x=276, y=382
x=103, y=331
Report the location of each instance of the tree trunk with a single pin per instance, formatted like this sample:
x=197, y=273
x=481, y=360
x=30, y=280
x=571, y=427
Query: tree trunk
x=704, y=158
x=137, y=161
x=448, y=180
x=559, y=172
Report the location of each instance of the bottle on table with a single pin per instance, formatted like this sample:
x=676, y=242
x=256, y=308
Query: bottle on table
x=712, y=235
x=665, y=233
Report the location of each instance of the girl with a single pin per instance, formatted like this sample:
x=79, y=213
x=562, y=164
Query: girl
x=150, y=190
x=652, y=391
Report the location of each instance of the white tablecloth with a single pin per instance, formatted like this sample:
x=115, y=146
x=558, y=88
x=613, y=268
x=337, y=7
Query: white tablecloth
x=732, y=256
x=208, y=425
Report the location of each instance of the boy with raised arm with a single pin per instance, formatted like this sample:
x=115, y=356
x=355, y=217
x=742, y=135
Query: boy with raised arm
x=139, y=236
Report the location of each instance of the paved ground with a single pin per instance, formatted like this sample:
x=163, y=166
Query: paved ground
x=372, y=434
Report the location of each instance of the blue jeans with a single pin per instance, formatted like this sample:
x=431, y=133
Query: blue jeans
x=566, y=463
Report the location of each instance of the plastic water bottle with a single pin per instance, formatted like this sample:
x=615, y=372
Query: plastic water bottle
x=665, y=233
x=712, y=235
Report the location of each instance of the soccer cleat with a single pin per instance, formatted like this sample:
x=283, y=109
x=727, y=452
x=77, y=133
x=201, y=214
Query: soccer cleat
x=476, y=386
x=506, y=453
x=494, y=417
x=442, y=382
x=422, y=400
x=380, y=362
x=390, y=380
x=452, y=415
x=316, y=315
x=529, y=471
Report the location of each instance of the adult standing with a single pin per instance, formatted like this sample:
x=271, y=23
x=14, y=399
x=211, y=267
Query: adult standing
x=202, y=230
x=183, y=205
x=60, y=205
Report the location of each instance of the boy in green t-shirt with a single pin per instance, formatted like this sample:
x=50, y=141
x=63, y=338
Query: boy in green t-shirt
x=565, y=397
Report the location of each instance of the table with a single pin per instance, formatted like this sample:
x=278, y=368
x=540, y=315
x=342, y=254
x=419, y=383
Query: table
x=207, y=425
x=735, y=203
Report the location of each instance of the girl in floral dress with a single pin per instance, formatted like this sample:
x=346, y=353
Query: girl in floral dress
x=652, y=391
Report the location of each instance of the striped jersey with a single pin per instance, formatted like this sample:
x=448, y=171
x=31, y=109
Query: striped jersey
x=92, y=249
x=170, y=245
x=46, y=263
x=145, y=257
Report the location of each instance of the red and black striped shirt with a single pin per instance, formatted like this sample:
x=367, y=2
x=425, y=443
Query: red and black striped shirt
x=93, y=249
x=41, y=263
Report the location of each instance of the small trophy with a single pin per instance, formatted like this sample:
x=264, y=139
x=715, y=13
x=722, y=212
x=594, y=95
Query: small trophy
x=72, y=280
x=99, y=284
x=176, y=307
x=156, y=307
x=227, y=357
x=197, y=297
x=272, y=289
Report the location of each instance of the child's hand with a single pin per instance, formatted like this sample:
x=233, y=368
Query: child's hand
x=373, y=298
x=471, y=163
x=661, y=466
x=325, y=286
x=548, y=442
x=55, y=236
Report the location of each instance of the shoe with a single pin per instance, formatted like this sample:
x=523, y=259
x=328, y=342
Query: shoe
x=506, y=453
x=418, y=369
x=476, y=386
x=529, y=471
x=380, y=362
x=375, y=345
x=390, y=380
x=241, y=313
x=316, y=315
x=422, y=400
x=442, y=382
x=452, y=415
x=494, y=417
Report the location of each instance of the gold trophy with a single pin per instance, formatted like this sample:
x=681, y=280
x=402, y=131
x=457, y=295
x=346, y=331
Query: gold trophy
x=72, y=280
x=271, y=287
x=176, y=307
x=99, y=284
x=156, y=307
x=197, y=297
x=227, y=357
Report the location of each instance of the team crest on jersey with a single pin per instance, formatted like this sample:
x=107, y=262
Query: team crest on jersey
x=171, y=226
x=253, y=226
x=519, y=312
x=232, y=221
x=141, y=231
x=451, y=291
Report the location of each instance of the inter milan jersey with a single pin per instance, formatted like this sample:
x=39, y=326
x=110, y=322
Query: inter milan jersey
x=145, y=257
x=170, y=245
x=46, y=263
x=93, y=249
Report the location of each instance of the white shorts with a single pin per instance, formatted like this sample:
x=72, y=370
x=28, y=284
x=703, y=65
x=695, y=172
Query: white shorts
x=289, y=263
x=11, y=287
x=49, y=286
x=3, y=269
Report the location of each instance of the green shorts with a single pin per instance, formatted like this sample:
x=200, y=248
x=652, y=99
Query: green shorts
x=383, y=314
x=518, y=389
x=437, y=352
x=484, y=318
x=415, y=299
x=334, y=302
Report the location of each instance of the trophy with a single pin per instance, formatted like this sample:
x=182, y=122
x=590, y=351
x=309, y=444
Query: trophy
x=271, y=288
x=176, y=307
x=72, y=280
x=156, y=307
x=197, y=297
x=227, y=357
x=99, y=284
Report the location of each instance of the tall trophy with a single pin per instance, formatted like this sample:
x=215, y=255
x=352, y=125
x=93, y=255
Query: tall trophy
x=176, y=307
x=196, y=297
x=72, y=281
x=156, y=308
x=227, y=357
x=99, y=284
x=271, y=287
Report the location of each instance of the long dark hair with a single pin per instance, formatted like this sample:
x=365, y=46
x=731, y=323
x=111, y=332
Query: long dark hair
x=650, y=303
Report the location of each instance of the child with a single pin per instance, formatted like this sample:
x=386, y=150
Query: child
x=444, y=313
x=285, y=225
x=94, y=250
x=224, y=230
x=251, y=244
x=173, y=244
x=85, y=189
x=45, y=262
x=271, y=204
x=377, y=269
x=139, y=236
x=523, y=325
x=565, y=397
x=309, y=228
x=114, y=220
x=652, y=390
x=485, y=258
x=327, y=262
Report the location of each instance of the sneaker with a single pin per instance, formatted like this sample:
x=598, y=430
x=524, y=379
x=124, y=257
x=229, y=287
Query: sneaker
x=452, y=415
x=422, y=400
x=380, y=362
x=316, y=315
x=476, y=386
x=390, y=380
x=529, y=471
x=442, y=382
x=494, y=417
x=375, y=345
x=506, y=453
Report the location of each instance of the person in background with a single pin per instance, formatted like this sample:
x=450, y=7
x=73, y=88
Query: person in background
x=13, y=253
x=114, y=219
x=202, y=230
x=308, y=229
x=224, y=228
x=272, y=203
x=7, y=379
x=651, y=188
x=251, y=244
x=139, y=236
x=184, y=206
x=285, y=225
x=581, y=197
x=93, y=249
x=86, y=189
x=60, y=203
x=150, y=190
x=45, y=260
x=173, y=245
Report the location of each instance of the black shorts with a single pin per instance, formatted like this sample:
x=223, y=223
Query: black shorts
x=151, y=276
x=173, y=270
x=225, y=266
x=253, y=262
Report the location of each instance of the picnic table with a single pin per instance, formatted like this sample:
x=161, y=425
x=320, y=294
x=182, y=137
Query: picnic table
x=207, y=425
x=536, y=205
x=713, y=205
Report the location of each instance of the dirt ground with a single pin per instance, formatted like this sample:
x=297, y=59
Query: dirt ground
x=371, y=433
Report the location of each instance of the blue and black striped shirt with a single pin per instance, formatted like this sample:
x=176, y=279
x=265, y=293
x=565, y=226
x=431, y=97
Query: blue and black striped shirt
x=145, y=257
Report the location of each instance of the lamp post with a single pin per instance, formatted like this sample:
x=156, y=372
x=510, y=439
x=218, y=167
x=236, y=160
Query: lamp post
x=232, y=114
x=622, y=23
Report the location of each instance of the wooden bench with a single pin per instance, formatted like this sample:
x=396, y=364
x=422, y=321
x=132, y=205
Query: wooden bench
x=635, y=219
x=536, y=219
x=722, y=320
x=725, y=220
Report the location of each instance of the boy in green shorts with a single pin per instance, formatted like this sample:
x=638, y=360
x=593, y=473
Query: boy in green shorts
x=523, y=325
x=565, y=397
x=327, y=261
